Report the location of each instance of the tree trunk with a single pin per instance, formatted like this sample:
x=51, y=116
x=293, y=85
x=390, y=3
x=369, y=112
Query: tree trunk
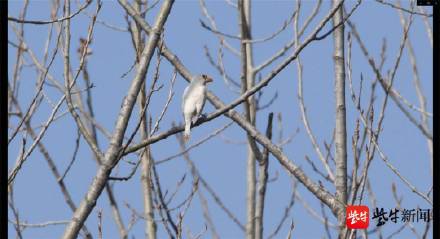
x=340, y=128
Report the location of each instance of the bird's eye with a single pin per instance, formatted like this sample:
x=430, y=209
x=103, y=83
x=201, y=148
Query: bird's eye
x=204, y=76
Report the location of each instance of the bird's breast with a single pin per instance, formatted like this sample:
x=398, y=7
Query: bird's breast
x=195, y=96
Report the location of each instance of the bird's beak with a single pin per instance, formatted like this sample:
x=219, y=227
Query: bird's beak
x=208, y=79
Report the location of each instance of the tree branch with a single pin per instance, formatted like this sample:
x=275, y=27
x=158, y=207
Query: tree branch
x=113, y=151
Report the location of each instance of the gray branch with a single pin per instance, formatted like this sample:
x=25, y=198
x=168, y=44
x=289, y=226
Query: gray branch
x=112, y=155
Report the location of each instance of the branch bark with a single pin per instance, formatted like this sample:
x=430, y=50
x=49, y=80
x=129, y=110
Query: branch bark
x=145, y=157
x=262, y=183
x=247, y=82
x=113, y=153
x=340, y=127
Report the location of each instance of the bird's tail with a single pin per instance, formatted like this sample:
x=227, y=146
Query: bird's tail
x=187, y=132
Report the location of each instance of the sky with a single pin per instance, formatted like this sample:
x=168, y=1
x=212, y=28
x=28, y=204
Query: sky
x=221, y=160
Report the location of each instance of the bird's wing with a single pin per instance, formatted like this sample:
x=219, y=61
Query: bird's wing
x=203, y=102
x=185, y=95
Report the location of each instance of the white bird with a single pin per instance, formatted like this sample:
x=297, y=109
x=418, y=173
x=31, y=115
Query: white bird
x=193, y=100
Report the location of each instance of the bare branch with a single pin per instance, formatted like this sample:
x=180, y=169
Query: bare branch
x=78, y=137
x=40, y=22
x=214, y=30
x=277, y=55
x=162, y=205
x=170, y=97
x=262, y=183
x=398, y=7
x=39, y=225
x=418, y=87
x=11, y=204
x=313, y=212
x=221, y=69
x=196, y=175
x=292, y=226
x=32, y=106
x=20, y=163
x=112, y=153
x=100, y=223
x=203, y=140
x=52, y=167
x=69, y=82
x=302, y=107
x=286, y=211
x=387, y=86
x=427, y=26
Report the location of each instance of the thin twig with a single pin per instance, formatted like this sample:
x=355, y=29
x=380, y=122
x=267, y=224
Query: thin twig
x=75, y=151
x=164, y=109
x=41, y=224
x=286, y=212
x=41, y=22
x=203, y=140
x=398, y=7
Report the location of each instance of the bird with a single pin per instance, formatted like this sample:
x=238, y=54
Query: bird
x=193, y=100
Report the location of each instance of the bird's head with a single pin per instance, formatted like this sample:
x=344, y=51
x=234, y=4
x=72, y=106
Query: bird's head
x=206, y=79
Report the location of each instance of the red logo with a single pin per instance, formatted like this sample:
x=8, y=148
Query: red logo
x=357, y=217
